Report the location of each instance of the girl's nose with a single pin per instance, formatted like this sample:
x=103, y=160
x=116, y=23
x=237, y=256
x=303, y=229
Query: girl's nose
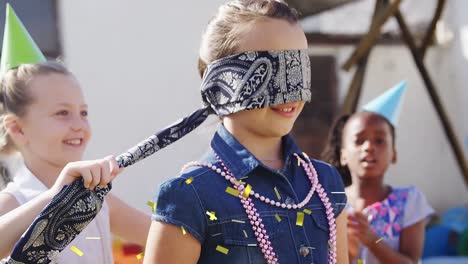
x=368, y=146
x=78, y=123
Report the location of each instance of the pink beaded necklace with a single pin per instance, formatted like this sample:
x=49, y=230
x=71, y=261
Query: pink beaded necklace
x=256, y=221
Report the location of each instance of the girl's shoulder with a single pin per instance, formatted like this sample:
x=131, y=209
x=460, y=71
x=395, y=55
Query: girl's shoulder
x=328, y=175
x=408, y=193
x=416, y=206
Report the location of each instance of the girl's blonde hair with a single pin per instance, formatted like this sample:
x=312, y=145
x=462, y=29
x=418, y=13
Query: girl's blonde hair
x=14, y=94
x=224, y=31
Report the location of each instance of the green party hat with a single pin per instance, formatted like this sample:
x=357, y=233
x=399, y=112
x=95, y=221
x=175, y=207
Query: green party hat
x=18, y=46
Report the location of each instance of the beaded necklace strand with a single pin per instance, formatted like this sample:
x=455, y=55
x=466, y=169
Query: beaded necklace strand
x=245, y=194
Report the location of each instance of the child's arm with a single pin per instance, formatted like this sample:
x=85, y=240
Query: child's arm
x=167, y=244
x=412, y=236
x=14, y=223
x=341, y=239
x=127, y=222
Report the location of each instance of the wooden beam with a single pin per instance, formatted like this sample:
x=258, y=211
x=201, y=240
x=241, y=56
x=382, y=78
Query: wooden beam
x=448, y=128
x=354, y=91
x=429, y=36
x=372, y=36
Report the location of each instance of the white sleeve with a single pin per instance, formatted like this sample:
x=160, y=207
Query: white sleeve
x=417, y=208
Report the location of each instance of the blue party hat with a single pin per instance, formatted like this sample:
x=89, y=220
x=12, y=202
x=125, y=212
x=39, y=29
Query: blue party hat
x=389, y=103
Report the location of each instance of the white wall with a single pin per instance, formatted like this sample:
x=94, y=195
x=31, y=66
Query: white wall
x=136, y=61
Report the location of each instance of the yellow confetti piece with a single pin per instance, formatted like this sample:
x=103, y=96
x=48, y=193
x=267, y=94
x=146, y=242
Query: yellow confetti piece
x=298, y=162
x=140, y=256
x=238, y=221
x=222, y=249
x=247, y=191
x=245, y=234
x=300, y=218
x=76, y=250
x=278, y=218
x=183, y=230
x=307, y=211
x=152, y=205
x=93, y=238
x=277, y=193
x=239, y=183
x=378, y=240
x=212, y=216
x=189, y=180
x=360, y=261
x=232, y=191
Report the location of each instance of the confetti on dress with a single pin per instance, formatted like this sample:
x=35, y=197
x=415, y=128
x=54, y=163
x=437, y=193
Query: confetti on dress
x=247, y=191
x=307, y=211
x=212, y=216
x=232, y=191
x=278, y=218
x=222, y=249
x=189, y=180
x=378, y=240
x=238, y=221
x=277, y=193
x=183, y=230
x=300, y=218
x=245, y=234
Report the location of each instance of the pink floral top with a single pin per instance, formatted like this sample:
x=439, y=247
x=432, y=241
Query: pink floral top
x=402, y=208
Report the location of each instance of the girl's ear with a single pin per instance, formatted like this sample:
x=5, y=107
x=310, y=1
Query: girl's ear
x=13, y=127
x=343, y=161
x=394, y=158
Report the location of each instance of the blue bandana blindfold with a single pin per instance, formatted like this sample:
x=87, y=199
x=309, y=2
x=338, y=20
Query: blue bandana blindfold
x=256, y=79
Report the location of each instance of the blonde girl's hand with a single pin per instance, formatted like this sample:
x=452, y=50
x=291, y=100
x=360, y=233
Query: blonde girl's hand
x=358, y=226
x=94, y=173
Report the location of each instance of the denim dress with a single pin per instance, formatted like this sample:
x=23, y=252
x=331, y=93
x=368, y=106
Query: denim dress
x=226, y=225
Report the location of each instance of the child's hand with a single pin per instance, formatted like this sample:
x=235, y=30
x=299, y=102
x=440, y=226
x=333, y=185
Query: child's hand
x=359, y=227
x=94, y=172
x=353, y=245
